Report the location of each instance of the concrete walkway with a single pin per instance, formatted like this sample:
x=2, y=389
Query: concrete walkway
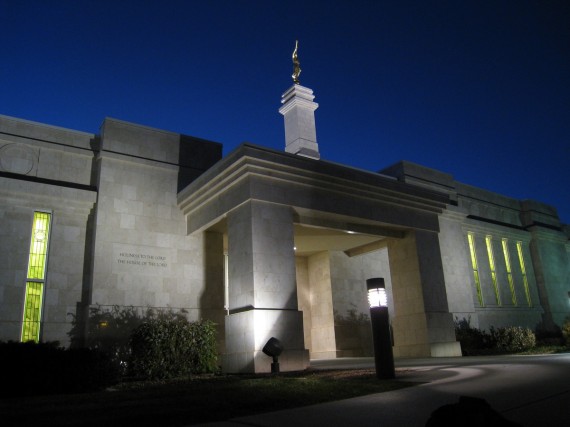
x=528, y=390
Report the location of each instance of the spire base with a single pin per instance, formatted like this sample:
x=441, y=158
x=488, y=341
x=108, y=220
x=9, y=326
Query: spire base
x=298, y=110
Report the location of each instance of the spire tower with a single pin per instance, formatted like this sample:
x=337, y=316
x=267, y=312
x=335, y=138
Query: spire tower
x=298, y=111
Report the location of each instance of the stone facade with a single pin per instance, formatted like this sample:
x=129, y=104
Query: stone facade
x=268, y=243
x=117, y=236
x=37, y=174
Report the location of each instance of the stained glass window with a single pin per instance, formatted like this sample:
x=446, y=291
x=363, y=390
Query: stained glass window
x=507, y=256
x=471, y=240
x=523, y=272
x=490, y=253
x=36, y=277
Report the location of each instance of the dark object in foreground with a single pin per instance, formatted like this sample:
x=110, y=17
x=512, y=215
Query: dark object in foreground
x=469, y=411
x=32, y=369
x=273, y=348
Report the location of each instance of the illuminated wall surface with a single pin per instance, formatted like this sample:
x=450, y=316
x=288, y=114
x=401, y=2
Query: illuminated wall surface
x=143, y=217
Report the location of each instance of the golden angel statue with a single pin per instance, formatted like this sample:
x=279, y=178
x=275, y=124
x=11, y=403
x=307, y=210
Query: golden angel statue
x=296, y=64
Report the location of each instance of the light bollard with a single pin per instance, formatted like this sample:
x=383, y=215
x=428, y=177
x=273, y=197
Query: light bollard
x=378, y=301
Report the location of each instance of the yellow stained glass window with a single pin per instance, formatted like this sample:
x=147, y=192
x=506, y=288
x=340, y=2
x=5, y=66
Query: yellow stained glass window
x=32, y=311
x=507, y=256
x=471, y=240
x=523, y=272
x=38, y=246
x=490, y=253
x=36, y=277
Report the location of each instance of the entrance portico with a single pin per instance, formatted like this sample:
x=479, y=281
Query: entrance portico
x=256, y=196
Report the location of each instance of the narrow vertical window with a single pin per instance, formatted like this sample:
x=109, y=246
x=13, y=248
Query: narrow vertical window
x=36, y=277
x=226, y=283
x=489, y=242
x=509, y=271
x=471, y=239
x=523, y=272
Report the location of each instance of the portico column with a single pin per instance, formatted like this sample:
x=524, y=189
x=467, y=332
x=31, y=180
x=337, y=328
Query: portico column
x=262, y=289
x=422, y=323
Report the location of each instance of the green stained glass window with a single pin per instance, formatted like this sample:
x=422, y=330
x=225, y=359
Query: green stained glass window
x=490, y=253
x=38, y=246
x=36, y=277
x=509, y=271
x=32, y=311
x=523, y=272
x=471, y=240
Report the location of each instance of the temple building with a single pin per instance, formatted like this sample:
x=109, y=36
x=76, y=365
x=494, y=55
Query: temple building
x=265, y=243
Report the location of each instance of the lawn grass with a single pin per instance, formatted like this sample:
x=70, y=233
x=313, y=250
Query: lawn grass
x=538, y=350
x=192, y=401
x=547, y=349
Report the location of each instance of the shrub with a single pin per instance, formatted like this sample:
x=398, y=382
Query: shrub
x=109, y=330
x=472, y=340
x=513, y=338
x=504, y=340
x=566, y=331
x=550, y=335
x=46, y=368
x=172, y=347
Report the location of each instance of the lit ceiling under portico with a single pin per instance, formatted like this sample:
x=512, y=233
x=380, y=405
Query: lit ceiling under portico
x=317, y=232
x=310, y=240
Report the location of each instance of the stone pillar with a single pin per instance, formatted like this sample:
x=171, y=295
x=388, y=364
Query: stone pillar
x=213, y=294
x=262, y=289
x=422, y=324
x=550, y=264
x=298, y=110
x=548, y=249
x=323, y=338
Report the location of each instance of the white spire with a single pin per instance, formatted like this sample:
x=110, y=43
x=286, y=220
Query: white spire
x=298, y=110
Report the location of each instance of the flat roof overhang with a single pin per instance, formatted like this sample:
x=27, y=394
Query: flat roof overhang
x=330, y=201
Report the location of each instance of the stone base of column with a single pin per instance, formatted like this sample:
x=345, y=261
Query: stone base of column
x=425, y=335
x=333, y=354
x=445, y=349
x=439, y=349
x=248, y=331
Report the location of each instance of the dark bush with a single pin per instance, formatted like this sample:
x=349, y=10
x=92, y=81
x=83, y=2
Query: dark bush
x=566, y=331
x=167, y=348
x=513, y=339
x=548, y=335
x=510, y=339
x=109, y=330
x=45, y=368
x=472, y=340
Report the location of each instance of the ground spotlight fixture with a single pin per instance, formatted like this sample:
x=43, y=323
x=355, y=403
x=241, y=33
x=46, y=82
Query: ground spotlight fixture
x=378, y=301
x=273, y=348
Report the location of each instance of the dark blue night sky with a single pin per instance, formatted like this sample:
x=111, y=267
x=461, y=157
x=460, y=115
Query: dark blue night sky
x=479, y=89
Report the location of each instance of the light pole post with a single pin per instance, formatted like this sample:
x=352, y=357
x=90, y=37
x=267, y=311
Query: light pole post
x=383, y=357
